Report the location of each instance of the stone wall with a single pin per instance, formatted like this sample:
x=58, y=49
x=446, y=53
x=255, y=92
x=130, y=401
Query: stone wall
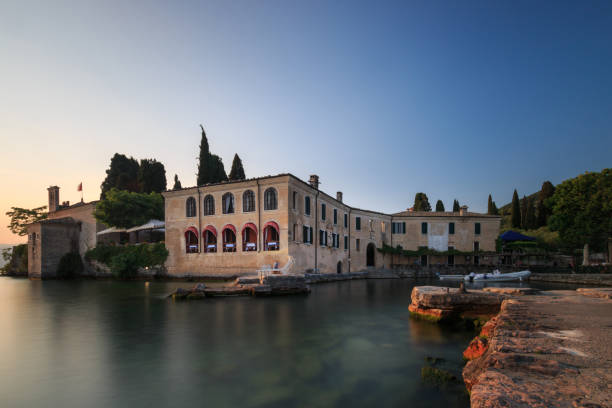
x=580, y=279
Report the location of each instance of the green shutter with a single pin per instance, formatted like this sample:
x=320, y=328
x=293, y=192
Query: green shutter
x=423, y=228
x=477, y=228
x=451, y=227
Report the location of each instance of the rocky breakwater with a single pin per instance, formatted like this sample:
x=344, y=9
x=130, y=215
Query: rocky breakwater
x=436, y=304
x=545, y=350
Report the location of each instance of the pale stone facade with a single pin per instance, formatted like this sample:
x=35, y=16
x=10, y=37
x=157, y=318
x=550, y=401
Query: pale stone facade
x=317, y=231
x=67, y=228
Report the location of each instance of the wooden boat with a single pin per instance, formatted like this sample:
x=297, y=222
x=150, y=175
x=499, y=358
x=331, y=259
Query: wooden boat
x=497, y=276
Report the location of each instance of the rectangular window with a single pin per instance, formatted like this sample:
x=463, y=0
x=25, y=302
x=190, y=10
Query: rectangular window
x=358, y=223
x=476, y=246
x=295, y=200
x=345, y=243
x=398, y=228
x=345, y=220
x=451, y=257
x=307, y=205
x=451, y=227
x=477, y=228
x=357, y=244
x=322, y=238
x=323, y=211
x=423, y=228
x=335, y=217
x=307, y=234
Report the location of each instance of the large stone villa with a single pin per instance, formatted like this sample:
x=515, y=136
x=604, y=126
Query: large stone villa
x=237, y=227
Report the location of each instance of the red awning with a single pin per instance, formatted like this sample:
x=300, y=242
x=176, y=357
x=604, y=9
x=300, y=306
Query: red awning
x=273, y=225
x=249, y=225
x=229, y=226
x=192, y=229
x=211, y=229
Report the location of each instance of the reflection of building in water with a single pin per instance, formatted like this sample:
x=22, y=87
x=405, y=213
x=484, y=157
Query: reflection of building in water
x=236, y=227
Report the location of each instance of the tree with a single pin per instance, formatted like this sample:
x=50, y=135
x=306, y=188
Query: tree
x=456, y=206
x=421, y=202
x=582, y=210
x=151, y=176
x=210, y=166
x=439, y=206
x=237, y=172
x=524, y=213
x=177, y=183
x=530, y=217
x=122, y=174
x=125, y=209
x=544, y=212
x=515, y=216
x=491, y=207
x=21, y=217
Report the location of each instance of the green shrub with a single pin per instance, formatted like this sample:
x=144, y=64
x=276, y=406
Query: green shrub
x=70, y=266
x=16, y=259
x=124, y=261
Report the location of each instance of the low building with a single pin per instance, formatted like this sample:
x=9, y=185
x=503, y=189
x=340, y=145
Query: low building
x=238, y=227
x=67, y=228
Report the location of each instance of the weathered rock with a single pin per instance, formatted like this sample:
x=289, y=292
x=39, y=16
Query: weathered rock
x=227, y=291
x=512, y=291
x=477, y=348
x=488, y=328
x=549, y=350
x=604, y=293
x=438, y=303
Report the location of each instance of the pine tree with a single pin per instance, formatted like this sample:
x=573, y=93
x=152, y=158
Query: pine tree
x=122, y=174
x=151, y=176
x=515, y=216
x=421, y=202
x=237, y=172
x=456, y=206
x=177, y=183
x=439, y=206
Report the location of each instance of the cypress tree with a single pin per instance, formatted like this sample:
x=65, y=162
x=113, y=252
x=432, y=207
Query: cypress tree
x=177, y=183
x=439, y=206
x=515, y=216
x=210, y=166
x=456, y=206
x=530, y=219
x=421, y=202
x=237, y=172
x=490, y=206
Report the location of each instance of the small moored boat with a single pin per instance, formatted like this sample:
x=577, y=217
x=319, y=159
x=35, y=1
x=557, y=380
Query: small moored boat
x=497, y=276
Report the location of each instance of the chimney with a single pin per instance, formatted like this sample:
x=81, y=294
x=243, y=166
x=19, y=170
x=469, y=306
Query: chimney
x=53, y=198
x=339, y=196
x=463, y=210
x=314, y=181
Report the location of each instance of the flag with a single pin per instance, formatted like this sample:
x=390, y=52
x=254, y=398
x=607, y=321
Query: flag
x=80, y=187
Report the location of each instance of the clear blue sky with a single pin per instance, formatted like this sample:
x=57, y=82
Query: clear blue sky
x=457, y=99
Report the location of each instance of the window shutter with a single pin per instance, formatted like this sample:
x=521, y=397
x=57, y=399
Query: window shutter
x=424, y=228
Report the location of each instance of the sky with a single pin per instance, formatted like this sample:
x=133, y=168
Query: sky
x=381, y=99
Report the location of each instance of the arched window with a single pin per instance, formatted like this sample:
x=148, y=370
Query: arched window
x=271, y=236
x=209, y=205
x=191, y=241
x=190, y=207
x=248, y=201
x=229, y=238
x=249, y=237
x=228, y=203
x=270, y=201
x=210, y=239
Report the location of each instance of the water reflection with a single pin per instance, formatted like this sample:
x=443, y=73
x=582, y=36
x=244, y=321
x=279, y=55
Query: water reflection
x=101, y=344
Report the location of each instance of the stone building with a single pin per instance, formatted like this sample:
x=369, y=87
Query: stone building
x=67, y=228
x=237, y=227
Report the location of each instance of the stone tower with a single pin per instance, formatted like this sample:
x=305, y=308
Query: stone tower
x=53, y=198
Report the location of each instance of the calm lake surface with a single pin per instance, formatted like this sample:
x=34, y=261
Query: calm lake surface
x=124, y=344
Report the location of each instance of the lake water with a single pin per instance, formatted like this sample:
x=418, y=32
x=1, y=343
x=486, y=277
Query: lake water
x=124, y=344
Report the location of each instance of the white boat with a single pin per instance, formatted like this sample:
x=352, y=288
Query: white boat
x=497, y=276
x=458, y=278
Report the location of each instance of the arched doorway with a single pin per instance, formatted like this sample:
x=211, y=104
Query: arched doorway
x=370, y=254
x=339, y=267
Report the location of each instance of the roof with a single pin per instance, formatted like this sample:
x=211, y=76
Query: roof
x=443, y=214
x=79, y=204
x=63, y=220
